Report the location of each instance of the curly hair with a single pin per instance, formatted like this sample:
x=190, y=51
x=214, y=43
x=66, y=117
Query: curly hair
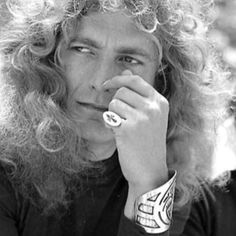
x=40, y=143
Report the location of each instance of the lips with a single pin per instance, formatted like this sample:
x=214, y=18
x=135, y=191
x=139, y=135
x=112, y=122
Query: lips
x=93, y=106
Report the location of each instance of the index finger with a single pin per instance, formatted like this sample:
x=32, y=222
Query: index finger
x=133, y=82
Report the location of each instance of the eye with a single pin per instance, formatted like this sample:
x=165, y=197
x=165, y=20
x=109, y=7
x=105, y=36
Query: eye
x=81, y=49
x=129, y=60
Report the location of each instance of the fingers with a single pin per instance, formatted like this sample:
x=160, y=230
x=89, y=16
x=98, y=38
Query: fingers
x=129, y=97
x=118, y=112
x=135, y=98
x=133, y=82
x=111, y=119
x=122, y=109
x=134, y=91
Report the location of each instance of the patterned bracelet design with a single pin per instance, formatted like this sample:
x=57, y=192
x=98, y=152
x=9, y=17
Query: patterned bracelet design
x=153, y=210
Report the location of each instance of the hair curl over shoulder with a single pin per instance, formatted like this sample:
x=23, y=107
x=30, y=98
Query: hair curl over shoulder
x=38, y=136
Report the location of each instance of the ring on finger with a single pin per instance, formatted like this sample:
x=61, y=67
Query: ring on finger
x=112, y=119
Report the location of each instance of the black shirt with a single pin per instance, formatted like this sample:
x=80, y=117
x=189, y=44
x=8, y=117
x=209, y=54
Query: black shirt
x=215, y=213
x=96, y=211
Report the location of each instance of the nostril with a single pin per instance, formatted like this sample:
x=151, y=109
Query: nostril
x=99, y=86
x=106, y=90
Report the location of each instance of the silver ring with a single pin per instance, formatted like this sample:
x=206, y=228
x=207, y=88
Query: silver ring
x=112, y=119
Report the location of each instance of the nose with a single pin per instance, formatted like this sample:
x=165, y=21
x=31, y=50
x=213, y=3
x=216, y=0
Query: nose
x=104, y=70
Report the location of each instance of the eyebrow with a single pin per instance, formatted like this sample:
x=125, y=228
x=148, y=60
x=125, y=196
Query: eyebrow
x=131, y=50
x=87, y=41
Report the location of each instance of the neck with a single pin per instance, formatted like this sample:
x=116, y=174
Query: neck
x=102, y=151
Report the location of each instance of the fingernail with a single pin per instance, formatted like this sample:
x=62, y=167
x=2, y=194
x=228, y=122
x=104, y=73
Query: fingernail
x=127, y=72
x=105, y=83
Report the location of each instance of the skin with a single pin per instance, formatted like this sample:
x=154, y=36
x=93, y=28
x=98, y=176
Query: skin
x=111, y=64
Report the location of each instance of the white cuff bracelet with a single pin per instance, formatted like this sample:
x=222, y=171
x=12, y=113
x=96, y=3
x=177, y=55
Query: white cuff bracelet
x=153, y=210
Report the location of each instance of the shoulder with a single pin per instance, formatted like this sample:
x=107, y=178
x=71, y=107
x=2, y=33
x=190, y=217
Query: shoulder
x=202, y=213
x=226, y=193
x=191, y=219
x=215, y=208
x=225, y=197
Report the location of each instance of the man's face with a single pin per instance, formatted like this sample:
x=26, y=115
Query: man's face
x=104, y=45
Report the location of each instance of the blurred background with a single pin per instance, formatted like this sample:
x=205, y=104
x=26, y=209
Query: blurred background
x=224, y=31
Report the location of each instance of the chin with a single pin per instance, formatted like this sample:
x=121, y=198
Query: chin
x=96, y=132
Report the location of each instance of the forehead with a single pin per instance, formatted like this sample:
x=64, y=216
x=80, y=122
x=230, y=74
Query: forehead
x=114, y=29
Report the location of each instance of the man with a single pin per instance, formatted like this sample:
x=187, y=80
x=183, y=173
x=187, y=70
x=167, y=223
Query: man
x=86, y=128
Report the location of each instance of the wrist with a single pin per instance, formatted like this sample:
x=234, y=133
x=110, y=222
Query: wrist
x=144, y=185
x=148, y=181
x=153, y=210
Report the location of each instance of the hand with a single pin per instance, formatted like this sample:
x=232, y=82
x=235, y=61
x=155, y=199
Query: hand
x=141, y=138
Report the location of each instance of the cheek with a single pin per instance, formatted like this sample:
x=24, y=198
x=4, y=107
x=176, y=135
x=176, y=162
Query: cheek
x=75, y=77
x=72, y=79
x=71, y=70
x=149, y=75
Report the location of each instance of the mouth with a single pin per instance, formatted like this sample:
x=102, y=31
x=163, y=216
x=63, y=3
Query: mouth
x=96, y=107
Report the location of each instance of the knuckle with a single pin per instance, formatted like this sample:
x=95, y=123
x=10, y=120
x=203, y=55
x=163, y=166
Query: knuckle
x=122, y=92
x=160, y=99
x=157, y=107
x=165, y=104
x=150, y=108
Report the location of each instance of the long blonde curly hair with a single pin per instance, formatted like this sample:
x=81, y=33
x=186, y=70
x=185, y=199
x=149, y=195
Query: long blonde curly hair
x=40, y=144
